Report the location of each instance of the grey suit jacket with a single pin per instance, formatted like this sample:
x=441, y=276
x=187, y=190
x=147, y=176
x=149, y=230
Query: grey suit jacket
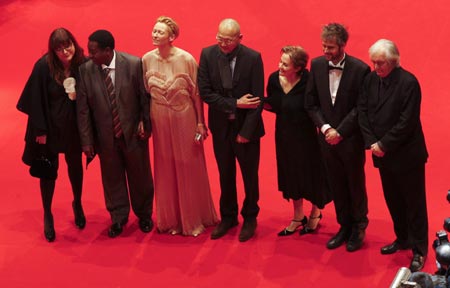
x=94, y=107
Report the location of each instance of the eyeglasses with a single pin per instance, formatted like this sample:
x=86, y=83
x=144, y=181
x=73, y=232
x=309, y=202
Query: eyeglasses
x=226, y=41
x=65, y=47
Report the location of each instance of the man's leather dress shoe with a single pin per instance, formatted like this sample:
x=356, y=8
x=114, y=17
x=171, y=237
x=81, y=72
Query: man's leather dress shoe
x=355, y=242
x=145, y=225
x=248, y=230
x=417, y=263
x=116, y=228
x=392, y=248
x=222, y=228
x=338, y=239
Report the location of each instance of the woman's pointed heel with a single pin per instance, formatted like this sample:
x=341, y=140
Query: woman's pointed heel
x=311, y=226
x=286, y=232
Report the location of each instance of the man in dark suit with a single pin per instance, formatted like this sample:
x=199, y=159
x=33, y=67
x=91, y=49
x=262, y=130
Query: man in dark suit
x=389, y=115
x=331, y=101
x=230, y=81
x=113, y=116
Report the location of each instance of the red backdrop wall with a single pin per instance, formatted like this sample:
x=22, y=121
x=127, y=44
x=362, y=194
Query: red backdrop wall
x=90, y=259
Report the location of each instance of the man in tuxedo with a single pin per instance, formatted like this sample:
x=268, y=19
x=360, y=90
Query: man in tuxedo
x=230, y=81
x=114, y=122
x=331, y=101
x=389, y=115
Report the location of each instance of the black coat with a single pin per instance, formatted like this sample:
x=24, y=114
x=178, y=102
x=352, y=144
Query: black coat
x=50, y=112
x=393, y=120
x=248, y=78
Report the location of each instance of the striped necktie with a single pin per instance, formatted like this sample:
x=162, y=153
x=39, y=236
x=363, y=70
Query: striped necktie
x=112, y=98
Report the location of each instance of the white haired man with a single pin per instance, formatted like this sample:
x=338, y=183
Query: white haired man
x=389, y=116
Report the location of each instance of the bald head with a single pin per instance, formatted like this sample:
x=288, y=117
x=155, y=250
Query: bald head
x=229, y=26
x=229, y=35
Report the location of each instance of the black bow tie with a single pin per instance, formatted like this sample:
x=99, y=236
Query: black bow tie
x=330, y=67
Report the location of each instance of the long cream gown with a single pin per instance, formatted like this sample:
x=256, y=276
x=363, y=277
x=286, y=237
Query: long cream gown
x=182, y=192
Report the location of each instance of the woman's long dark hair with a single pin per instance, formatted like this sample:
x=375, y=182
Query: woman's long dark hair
x=62, y=37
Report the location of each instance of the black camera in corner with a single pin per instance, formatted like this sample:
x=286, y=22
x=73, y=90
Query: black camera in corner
x=441, y=246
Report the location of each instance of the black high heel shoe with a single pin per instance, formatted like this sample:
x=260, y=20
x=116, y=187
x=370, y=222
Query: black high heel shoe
x=312, y=225
x=286, y=232
x=49, y=229
x=80, y=219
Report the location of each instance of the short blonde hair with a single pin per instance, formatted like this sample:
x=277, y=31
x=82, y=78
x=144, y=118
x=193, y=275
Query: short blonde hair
x=174, y=30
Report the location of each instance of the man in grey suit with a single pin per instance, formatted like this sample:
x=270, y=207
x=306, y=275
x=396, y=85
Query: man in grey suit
x=331, y=101
x=113, y=120
x=230, y=81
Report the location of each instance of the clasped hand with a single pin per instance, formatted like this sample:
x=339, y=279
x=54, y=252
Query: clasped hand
x=376, y=150
x=332, y=136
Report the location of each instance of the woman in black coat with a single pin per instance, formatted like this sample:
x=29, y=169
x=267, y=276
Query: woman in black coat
x=299, y=164
x=49, y=101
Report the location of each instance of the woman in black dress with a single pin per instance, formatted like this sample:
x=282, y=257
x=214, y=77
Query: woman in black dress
x=299, y=163
x=49, y=101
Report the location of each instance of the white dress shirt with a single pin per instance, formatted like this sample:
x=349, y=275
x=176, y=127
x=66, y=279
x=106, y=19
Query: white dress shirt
x=112, y=68
x=335, y=78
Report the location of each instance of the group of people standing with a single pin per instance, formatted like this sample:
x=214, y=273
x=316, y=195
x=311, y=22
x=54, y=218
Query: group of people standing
x=325, y=119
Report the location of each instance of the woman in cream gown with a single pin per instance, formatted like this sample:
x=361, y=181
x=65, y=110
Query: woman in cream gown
x=183, y=197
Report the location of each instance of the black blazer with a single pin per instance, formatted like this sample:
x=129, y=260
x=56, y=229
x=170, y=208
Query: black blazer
x=343, y=115
x=393, y=120
x=248, y=78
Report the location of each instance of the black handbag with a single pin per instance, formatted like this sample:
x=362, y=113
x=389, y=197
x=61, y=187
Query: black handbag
x=43, y=168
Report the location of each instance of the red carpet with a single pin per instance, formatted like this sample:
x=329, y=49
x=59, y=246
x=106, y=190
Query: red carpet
x=89, y=258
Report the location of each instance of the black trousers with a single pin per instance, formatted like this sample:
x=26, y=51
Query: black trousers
x=345, y=169
x=227, y=151
x=404, y=192
x=126, y=171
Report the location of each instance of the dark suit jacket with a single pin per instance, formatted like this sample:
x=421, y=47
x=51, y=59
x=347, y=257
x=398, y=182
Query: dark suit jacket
x=343, y=115
x=393, y=120
x=94, y=107
x=248, y=78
